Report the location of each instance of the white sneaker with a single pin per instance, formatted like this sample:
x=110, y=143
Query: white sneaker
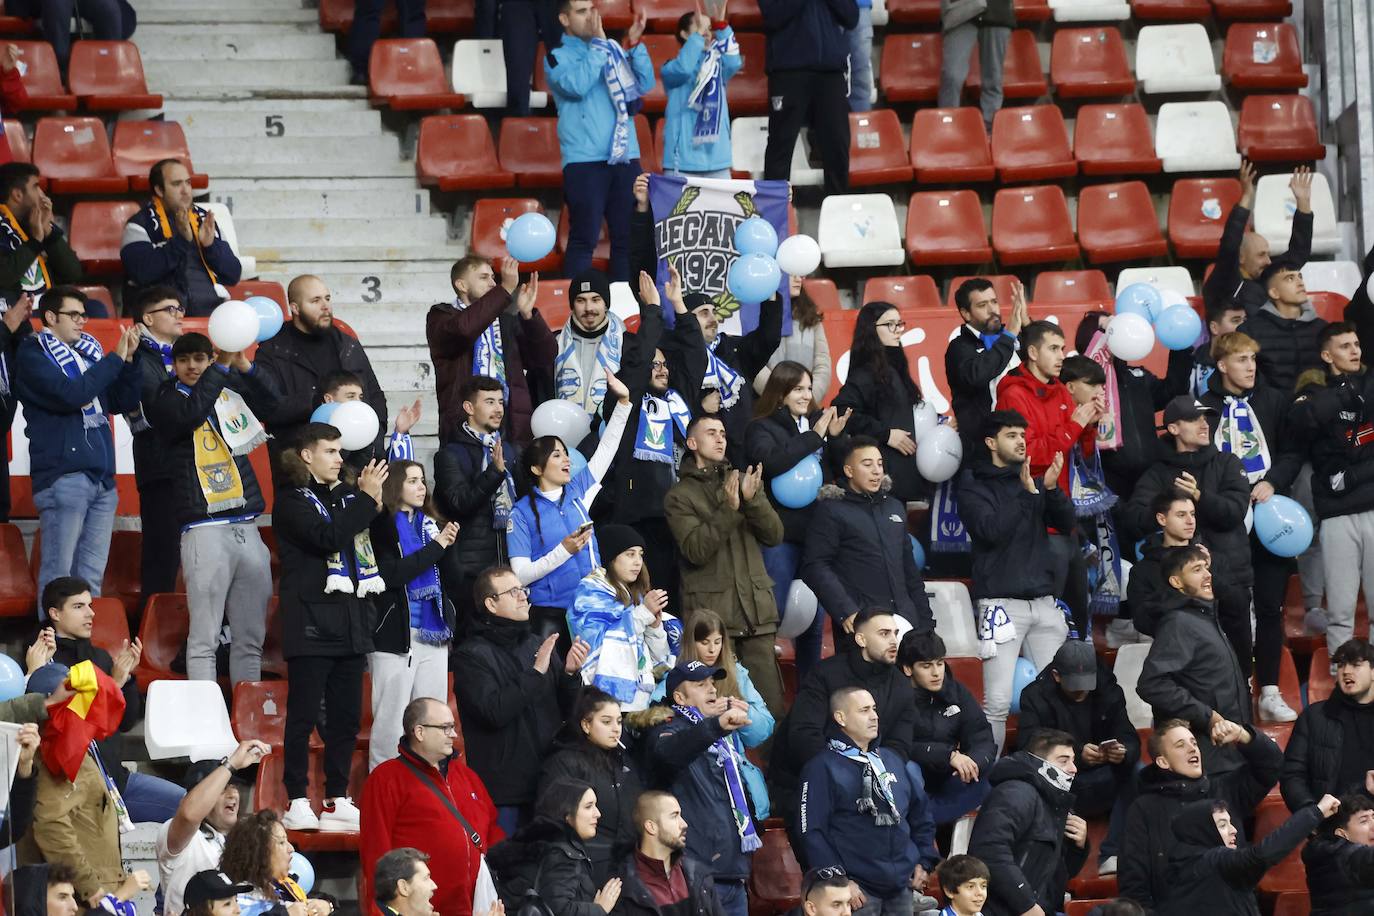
x=1315, y=621
x=300, y=816
x=1121, y=632
x=1272, y=707
x=1107, y=866
x=342, y=818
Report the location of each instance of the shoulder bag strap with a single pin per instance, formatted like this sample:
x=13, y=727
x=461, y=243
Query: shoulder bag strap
x=448, y=802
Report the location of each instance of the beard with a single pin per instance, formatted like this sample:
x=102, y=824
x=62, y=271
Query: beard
x=993, y=325
x=315, y=325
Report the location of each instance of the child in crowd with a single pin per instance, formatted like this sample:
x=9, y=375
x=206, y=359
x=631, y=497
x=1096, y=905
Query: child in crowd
x=964, y=879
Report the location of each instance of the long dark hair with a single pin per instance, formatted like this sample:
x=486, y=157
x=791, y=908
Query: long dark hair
x=867, y=350
x=805, y=312
x=536, y=456
x=559, y=801
x=1088, y=326
x=785, y=376
x=396, y=478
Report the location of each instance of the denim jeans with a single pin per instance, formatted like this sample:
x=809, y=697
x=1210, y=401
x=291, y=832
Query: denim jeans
x=76, y=517
x=151, y=799
x=733, y=900
x=861, y=62
x=783, y=562
x=593, y=192
x=954, y=798
x=899, y=904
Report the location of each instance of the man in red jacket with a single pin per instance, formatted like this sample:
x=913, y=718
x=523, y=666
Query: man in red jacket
x=429, y=799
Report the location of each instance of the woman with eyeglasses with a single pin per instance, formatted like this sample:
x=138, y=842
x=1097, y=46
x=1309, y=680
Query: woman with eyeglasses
x=883, y=396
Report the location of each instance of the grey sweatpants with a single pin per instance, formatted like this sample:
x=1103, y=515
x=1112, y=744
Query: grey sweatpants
x=1348, y=557
x=228, y=573
x=396, y=680
x=958, y=48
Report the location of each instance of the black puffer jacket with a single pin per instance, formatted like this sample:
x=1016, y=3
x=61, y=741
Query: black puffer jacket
x=1143, y=394
x=1288, y=346
x=1146, y=590
x=1328, y=414
x=808, y=35
x=514, y=861
x=1220, y=511
x=1226, y=283
x=176, y=417
x=635, y=899
x=1011, y=549
x=615, y=780
x=391, y=609
x=1325, y=733
x=151, y=464
x=464, y=492
x=972, y=370
x=1198, y=859
x=943, y=722
x=882, y=404
x=857, y=555
x=775, y=442
x=1043, y=705
x=565, y=882
x=1019, y=835
x=1340, y=876
x=510, y=712
x=1143, y=867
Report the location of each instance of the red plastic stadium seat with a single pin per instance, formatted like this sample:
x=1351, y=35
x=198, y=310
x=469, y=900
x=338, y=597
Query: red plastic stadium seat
x=489, y=218
x=1292, y=903
x=407, y=74
x=910, y=67
x=907, y=293
x=1073, y=287
x=1330, y=307
x=1320, y=683
x=1114, y=140
x=822, y=292
x=1197, y=214
x=661, y=48
x=748, y=89
x=650, y=157
x=1022, y=77
x=18, y=594
x=277, y=293
x=946, y=227
x=1252, y=9
x=337, y=16
x=98, y=294
x=166, y=621
x=601, y=254
x=74, y=155
x=923, y=11
x=18, y=141
x=1031, y=226
x=552, y=302
x=122, y=575
x=16, y=25
x=1088, y=883
x=97, y=227
x=1288, y=682
x=1279, y=128
x=457, y=16
x=139, y=145
x=663, y=14
x=1172, y=10
x=949, y=145
x=108, y=76
x=1117, y=222
x=110, y=627
x=1090, y=63
x=269, y=792
x=1290, y=874
x=259, y=713
x=1275, y=44
x=775, y=879
x=529, y=149
x=876, y=151
x=456, y=153
x=42, y=79
x=1081, y=907
x=1031, y=144
x=1032, y=10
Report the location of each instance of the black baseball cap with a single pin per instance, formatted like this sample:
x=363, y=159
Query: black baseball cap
x=209, y=885
x=691, y=671
x=1185, y=407
x=197, y=771
x=1076, y=665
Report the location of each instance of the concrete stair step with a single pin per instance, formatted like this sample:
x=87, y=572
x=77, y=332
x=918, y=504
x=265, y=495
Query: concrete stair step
x=340, y=165
x=279, y=125
x=378, y=185
x=175, y=14
x=300, y=231
x=382, y=147
x=202, y=94
x=235, y=44
x=282, y=106
x=384, y=290
x=284, y=258
x=402, y=374
x=333, y=204
x=172, y=77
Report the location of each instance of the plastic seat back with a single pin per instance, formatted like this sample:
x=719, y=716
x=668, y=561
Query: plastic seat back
x=97, y=227
x=1263, y=56
x=139, y=145
x=877, y=152
x=1174, y=278
x=407, y=74
x=73, y=154
x=491, y=216
x=910, y=67
x=907, y=293
x=1279, y=128
x=953, y=610
x=108, y=76
x=1114, y=140
x=950, y=145
x=1031, y=143
x=18, y=593
x=187, y=719
x=1196, y=137
x=43, y=79
x=1117, y=222
x=1197, y=214
x=456, y=153
x=18, y=141
x=166, y=621
x=528, y=149
x=1130, y=661
x=1031, y=225
x=860, y=230
x=946, y=227
x=1342, y=277
x=1090, y=63
x=1274, y=209
x=1073, y=287
x=1022, y=74
x=1175, y=58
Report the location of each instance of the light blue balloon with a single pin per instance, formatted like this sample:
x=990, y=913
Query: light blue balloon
x=269, y=316
x=1141, y=299
x=577, y=461
x=797, y=487
x=301, y=869
x=324, y=412
x=1178, y=327
x=1025, y=673
x=11, y=678
x=530, y=237
x=918, y=553
x=754, y=277
x=1283, y=526
x=756, y=236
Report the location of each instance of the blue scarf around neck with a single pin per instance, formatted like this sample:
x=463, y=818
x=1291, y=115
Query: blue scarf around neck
x=415, y=531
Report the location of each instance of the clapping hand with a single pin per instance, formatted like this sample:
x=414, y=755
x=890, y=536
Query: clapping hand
x=731, y=488
x=407, y=417
x=577, y=655
x=206, y=236
x=1027, y=479
x=636, y=30
x=656, y=601
x=41, y=652
x=371, y=479
x=1020, y=312
x=1052, y=473
x=447, y=535
x=527, y=296
x=125, y=661
x=19, y=313
x=751, y=481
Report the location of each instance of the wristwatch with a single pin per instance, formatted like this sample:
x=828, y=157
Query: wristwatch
x=224, y=762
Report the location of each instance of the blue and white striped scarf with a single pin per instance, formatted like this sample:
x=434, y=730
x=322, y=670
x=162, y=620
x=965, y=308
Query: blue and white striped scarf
x=338, y=577
x=708, y=93
x=1239, y=434
x=624, y=91
x=658, y=417
x=721, y=377
x=487, y=356
x=504, y=500
x=571, y=386
x=414, y=532
x=724, y=752
x=619, y=661
x=74, y=360
x=136, y=419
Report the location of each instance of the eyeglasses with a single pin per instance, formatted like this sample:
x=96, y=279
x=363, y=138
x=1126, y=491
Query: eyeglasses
x=76, y=317
x=447, y=728
x=658, y=364
x=897, y=325
x=518, y=591
x=174, y=309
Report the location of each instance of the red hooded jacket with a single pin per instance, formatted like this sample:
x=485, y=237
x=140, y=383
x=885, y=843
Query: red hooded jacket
x=1048, y=408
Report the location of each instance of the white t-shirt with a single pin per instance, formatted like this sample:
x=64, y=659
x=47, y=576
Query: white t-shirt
x=203, y=852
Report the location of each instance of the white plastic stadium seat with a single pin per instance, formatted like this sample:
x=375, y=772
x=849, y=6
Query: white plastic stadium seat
x=860, y=230
x=1090, y=10
x=1175, y=278
x=1175, y=58
x=1130, y=659
x=1196, y=137
x=879, y=15
x=749, y=143
x=953, y=610
x=479, y=72
x=187, y=719
x=224, y=221
x=1274, y=209
x=1331, y=277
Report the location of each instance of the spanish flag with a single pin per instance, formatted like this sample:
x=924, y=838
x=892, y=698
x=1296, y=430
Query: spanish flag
x=92, y=715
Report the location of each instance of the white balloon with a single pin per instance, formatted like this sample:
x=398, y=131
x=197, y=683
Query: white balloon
x=1129, y=336
x=926, y=418
x=800, y=610
x=563, y=419
x=233, y=326
x=938, y=454
x=798, y=255
x=358, y=424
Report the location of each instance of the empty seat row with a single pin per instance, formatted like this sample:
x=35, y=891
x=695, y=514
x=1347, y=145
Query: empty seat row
x=75, y=154
x=101, y=76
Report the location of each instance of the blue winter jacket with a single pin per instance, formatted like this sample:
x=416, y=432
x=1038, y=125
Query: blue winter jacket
x=808, y=34
x=679, y=78
x=58, y=441
x=835, y=832
x=586, y=116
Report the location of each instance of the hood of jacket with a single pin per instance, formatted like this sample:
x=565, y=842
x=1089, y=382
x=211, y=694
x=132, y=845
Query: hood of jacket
x=1153, y=548
x=1195, y=829
x=1021, y=377
x=1175, y=600
x=1156, y=781
x=1024, y=766
x=526, y=847
x=1185, y=461
x=1308, y=313
x=831, y=491
x=833, y=732
x=687, y=470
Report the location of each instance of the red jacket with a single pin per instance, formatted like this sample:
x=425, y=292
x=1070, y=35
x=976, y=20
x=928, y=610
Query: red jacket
x=399, y=811
x=1051, y=428
x=12, y=98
